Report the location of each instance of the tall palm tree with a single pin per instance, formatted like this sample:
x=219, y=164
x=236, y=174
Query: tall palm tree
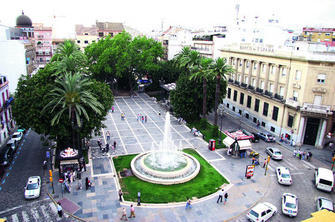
x=220, y=70
x=72, y=95
x=203, y=71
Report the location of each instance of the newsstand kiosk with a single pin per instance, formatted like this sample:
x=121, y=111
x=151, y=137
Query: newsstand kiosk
x=211, y=144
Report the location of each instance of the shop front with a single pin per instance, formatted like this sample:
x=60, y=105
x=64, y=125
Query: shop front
x=70, y=160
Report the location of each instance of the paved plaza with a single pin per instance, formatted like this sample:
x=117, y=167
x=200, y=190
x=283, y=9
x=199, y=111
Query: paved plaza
x=100, y=203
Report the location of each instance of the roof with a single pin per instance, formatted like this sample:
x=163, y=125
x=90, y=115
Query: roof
x=244, y=144
x=262, y=206
x=322, y=215
x=228, y=141
x=325, y=172
x=290, y=197
x=23, y=21
x=81, y=30
x=110, y=26
x=33, y=179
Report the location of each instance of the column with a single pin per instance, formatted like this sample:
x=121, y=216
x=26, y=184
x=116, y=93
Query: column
x=275, y=88
x=242, y=71
x=287, y=81
x=236, y=68
x=266, y=87
x=319, y=140
x=301, y=131
x=258, y=74
x=250, y=72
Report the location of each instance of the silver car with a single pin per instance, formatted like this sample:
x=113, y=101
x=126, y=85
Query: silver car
x=283, y=175
x=324, y=203
x=274, y=153
x=33, y=187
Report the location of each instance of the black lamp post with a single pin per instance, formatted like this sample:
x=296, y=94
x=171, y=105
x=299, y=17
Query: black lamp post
x=220, y=112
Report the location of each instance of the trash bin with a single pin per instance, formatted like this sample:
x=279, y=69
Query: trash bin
x=211, y=145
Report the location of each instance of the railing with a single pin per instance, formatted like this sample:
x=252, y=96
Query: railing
x=268, y=93
x=251, y=87
x=244, y=85
x=237, y=82
x=259, y=90
x=313, y=108
x=230, y=80
x=279, y=97
x=291, y=102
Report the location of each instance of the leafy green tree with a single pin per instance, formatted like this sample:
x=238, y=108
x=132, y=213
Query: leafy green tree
x=220, y=69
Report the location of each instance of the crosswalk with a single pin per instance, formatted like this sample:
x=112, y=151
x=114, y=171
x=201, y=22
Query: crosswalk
x=292, y=163
x=45, y=212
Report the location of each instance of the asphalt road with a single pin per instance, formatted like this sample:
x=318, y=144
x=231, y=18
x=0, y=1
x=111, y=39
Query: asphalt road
x=28, y=162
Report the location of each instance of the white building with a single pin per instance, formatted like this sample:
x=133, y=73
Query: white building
x=6, y=121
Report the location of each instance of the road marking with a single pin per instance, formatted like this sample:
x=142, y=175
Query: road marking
x=7, y=174
x=291, y=165
x=118, y=133
x=216, y=160
x=3, y=181
x=45, y=214
x=25, y=216
x=53, y=208
x=35, y=214
x=309, y=164
x=15, y=218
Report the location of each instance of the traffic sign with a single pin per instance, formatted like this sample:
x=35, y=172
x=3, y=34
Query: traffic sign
x=61, y=180
x=48, y=154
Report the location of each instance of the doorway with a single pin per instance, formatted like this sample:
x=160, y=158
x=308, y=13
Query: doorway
x=312, y=128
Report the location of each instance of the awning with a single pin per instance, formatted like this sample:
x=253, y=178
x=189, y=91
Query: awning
x=323, y=215
x=69, y=162
x=228, y=141
x=9, y=101
x=244, y=144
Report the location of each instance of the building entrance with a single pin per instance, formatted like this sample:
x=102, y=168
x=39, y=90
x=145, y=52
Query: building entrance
x=312, y=128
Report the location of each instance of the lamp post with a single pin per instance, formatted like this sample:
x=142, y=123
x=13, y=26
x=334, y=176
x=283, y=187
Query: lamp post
x=220, y=112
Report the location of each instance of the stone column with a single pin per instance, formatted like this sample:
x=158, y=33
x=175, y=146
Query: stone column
x=275, y=88
x=236, y=68
x=266, y=87
x=250, y=72
x=287, y=81
x=242, y=71
x=319, y=140
x=301, y=130
x=258, y=74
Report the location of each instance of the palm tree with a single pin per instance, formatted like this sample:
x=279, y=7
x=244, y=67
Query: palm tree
x=203, y=71
x=188, y=58
x=72, y=95
x=220, y=70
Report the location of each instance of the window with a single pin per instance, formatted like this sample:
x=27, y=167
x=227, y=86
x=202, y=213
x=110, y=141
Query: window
x=239, y=77
x=86, y=33
x=263, y=67
x=246, y=79
x=234, y=108
x=271, y=88
x=234, y=61
x=272, y=129
x=253, y=82
x=229, y=93
x=240, y=112
x=256, y=105
x=247, y=115
x=86, y=41
x=298, y=75
x=263, y=124
x=248, y=64
x=255, y=66
x=235, y=95
x=275, y=113
x=295, y=95
x=273, y=70
x=254, y=120
x=265, y=109
x=249, y=102
x=262, y=85
x=290, y=121
x=281, y=91
x=241, y=98
x=227, y=105
x=240, y=62
x=321, y=78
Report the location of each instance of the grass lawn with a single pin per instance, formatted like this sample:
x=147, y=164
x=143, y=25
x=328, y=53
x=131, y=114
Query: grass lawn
x=206, y=182
x=208, y=133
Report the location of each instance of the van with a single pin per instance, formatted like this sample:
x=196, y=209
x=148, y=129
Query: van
x=324, y=179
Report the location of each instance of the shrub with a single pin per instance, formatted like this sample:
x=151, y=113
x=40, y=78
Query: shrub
x=215, y=131
x=203, y=123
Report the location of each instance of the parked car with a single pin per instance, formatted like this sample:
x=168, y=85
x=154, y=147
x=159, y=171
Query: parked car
x=267, y=137
x=6, y=156
x=17, y=136
x=324, y=203
x=262, y=212
x=283, y=175
x=324, y=179
x=274, y=153
x=12, y=144
x=254, y=137
x=33, y=188
x=21, y=129
x=289, y=204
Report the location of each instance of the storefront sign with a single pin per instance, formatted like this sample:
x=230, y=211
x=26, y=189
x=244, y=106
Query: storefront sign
x=249, y=172
x=68, y=152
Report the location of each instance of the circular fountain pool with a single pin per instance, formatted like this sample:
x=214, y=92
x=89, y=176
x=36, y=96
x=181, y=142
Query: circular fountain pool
x=165, y=167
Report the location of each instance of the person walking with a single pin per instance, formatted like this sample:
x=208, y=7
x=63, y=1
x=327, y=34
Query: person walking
x=225, y=198
x=108, y=134
x=142, y=119
x=112, y=109
x=188, y=204
x=114, y=144
x=138, y=198
x=132, y=212
x=59, y=209
x=220, y=196
x=145, y=119
x=124, y=215
x=87, y=183
x=265, y=161
x=107, y=148
x=99, y=143
x=253, y=160
x=120, y=195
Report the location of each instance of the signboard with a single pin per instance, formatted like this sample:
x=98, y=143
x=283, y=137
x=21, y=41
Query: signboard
x=249, y=172
x=48, y=154
x=61, y=180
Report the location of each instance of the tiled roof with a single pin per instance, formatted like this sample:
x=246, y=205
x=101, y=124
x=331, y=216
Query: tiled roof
x=110, y=26
x=80, y=30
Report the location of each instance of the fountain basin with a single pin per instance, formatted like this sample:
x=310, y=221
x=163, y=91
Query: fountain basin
x=186, y=169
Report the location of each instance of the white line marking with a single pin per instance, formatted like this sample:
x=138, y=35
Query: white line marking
x=44, y=212
x=215, y=160
x=20, y=206
x=309, y=164
x=25, y=216
x=53, y=208
x=291, y=165
x=118, y=133
x=220, y=155
x=35, y=214
x=15, y=218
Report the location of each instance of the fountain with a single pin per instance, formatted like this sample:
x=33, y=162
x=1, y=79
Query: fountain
x=167, y=164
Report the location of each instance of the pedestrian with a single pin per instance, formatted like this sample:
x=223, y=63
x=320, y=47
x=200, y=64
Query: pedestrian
x=112, y=109
x=108, y=134
x=142, y=119
x=265, y=161
x=59, y=209
x=87, y=183
x=159, y=113
x=138, y=198
x=114, y=144
x=303, y=155
x=145, y=119
x=120, y=195
x=107, y=148
x=282, y=137
x=258, y=123
x=225, y=198
x=295, y=153
x=99, y=143
x=300, y=154
x=253, y=160
x=220, y=196
x=124, y=215
x=188, y=204
x=138, y=116
x=132, y=211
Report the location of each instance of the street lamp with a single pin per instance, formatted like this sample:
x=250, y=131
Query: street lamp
x=220, y=112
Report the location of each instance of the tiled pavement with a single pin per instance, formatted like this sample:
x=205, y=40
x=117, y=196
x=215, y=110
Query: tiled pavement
x=100, y=203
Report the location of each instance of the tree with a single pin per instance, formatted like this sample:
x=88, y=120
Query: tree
x=202, y=70
x=220, y=69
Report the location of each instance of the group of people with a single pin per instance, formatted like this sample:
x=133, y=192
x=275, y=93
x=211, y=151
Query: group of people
x=224, y=195
x=69, y=178
x=105, y=149
x=142, y=118
x=124, y=213
x=302, y=155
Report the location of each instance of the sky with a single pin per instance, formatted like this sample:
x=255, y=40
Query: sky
x=147, y=15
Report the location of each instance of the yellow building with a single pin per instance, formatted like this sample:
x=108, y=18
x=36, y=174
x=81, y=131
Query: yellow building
x=326, y=35
x=288, y=92
x=86, y=36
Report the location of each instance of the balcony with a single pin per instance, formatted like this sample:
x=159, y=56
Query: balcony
x=230, y=80
x=251, y=87
x=278, y=97
x=318, y=109
x=259, y=90
x=292, y=103
x=268, y=93
x=236, y=82
x=244, y=85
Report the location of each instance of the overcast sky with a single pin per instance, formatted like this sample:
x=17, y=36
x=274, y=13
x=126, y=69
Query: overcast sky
x=146, y=15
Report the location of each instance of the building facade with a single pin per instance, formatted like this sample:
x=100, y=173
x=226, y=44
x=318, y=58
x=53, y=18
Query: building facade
x=324, y=35
x=43, y=44
x=86, y=36
x=287, y=92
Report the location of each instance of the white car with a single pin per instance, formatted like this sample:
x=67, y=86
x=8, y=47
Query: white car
x=324, y=203
x=289, y=204
x=274, y=153
x=33, y=187
x=262, y=212
x=283, y=175
x=17, y=136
